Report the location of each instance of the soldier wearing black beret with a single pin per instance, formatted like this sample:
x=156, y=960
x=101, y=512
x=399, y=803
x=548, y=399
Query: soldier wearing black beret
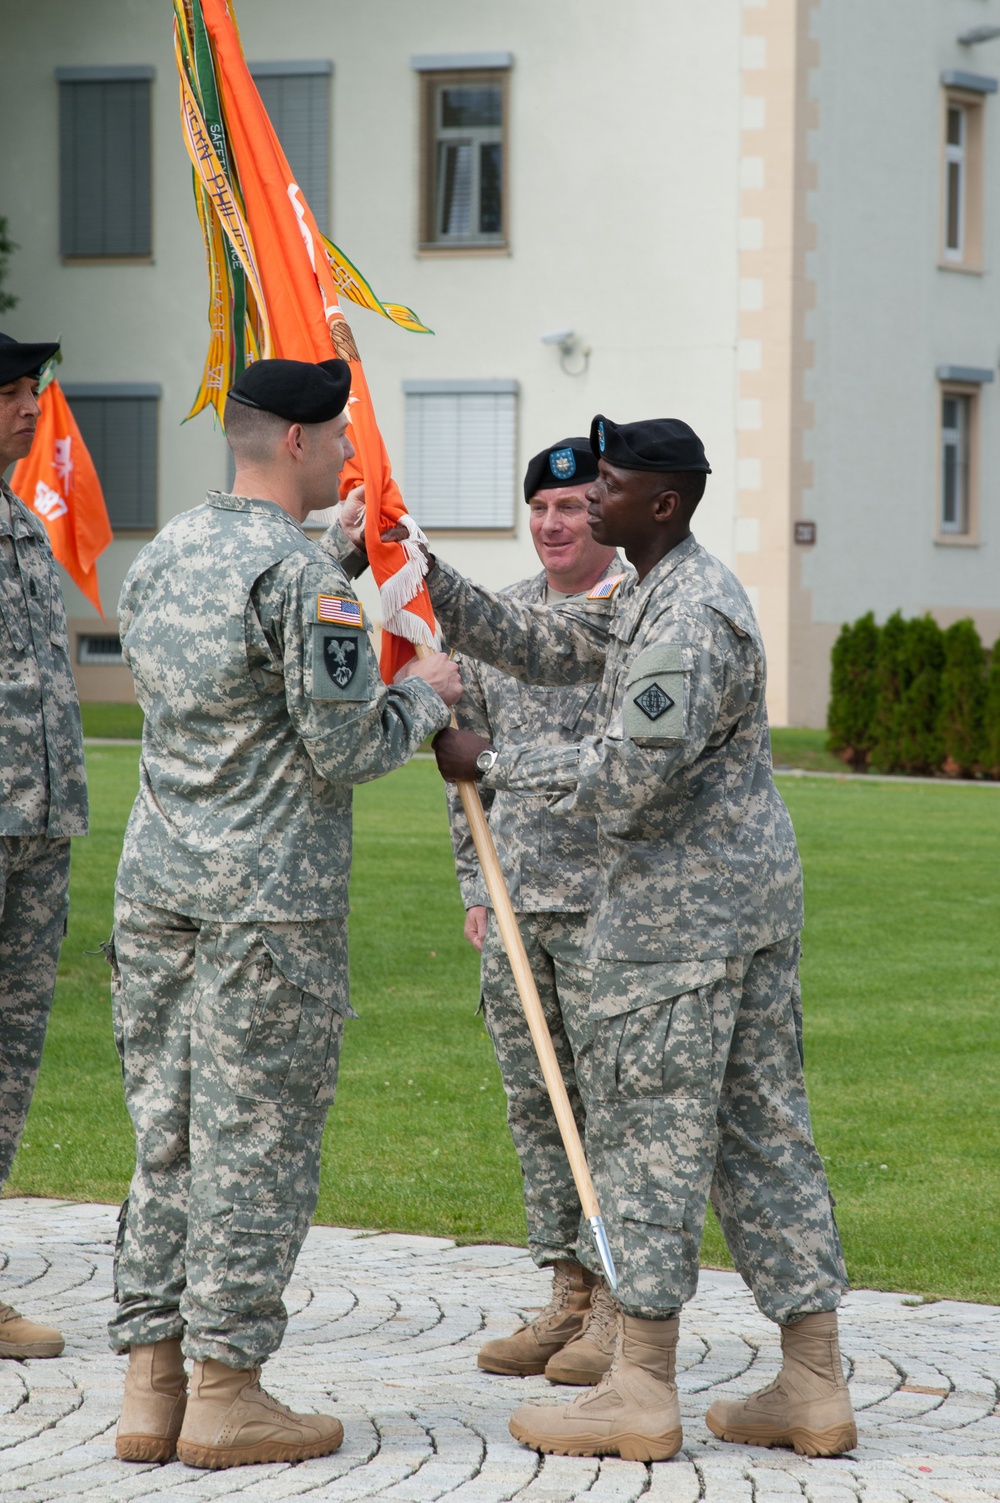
x=43, y=787
x=695, y=1084
x=263, y=706
x=548, y=864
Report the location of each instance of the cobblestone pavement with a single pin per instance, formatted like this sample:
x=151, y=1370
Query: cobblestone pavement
x=384, y=1330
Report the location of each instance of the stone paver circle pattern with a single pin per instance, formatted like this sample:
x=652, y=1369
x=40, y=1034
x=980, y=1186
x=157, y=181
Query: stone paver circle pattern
x=384, y=1331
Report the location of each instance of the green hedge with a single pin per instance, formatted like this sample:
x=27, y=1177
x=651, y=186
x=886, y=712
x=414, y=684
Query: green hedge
x=908, y=697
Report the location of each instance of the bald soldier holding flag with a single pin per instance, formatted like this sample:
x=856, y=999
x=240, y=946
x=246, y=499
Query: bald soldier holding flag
x=263, y=707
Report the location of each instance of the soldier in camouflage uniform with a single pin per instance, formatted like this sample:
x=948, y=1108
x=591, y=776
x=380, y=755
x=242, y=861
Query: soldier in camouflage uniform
x=43, y=788
x=263, y=706
x=696, y=1075
x=550, y=870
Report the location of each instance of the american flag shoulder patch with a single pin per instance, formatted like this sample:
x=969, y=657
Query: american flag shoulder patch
x=605, y=588
x=344, y=612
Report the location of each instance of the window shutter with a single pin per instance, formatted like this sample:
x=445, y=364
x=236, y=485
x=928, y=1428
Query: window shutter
x=460, y=455
x=105, y=167
x=121, y=434
x=299, y=108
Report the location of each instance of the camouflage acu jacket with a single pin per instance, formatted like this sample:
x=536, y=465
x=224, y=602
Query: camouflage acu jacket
x=263, y=705
x=698, y=860
x=549, y=861
x=43, y=779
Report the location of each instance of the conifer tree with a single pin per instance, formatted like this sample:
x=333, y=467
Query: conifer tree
x=890, y=684
x=851, y=713
x=963, y=696
x=920, y=748
x=991, y=715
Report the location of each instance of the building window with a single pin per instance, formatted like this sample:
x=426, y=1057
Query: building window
x=460, y=453
x=962, y=169
x=105, y=163
x=102, y=651
x=119, y=426
x=464, y=146
x=956, y=135
x=956, y=432
x=297, y=99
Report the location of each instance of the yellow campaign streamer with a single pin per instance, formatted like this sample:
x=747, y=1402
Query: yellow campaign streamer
x=352, y=285
x=205, y=161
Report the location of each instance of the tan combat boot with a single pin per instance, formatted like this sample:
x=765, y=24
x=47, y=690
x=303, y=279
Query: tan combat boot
x=588, y=1358
x=807, y=1406
x=632, y=1413
x=23, y=1338
x=563, y=1318
x=153, y=1408
x=231, y=1421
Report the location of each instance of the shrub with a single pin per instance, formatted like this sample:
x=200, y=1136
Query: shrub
x=890, y=683
x=963, y=697
x=851, y=715
x=991, y=715
x=919, y=743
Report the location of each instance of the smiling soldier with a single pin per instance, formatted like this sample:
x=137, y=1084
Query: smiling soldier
x=550, y=870
x=263, y=706
x=695, y=1084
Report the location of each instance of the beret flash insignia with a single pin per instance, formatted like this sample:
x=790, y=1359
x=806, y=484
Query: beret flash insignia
x=600, y=436
x=562, y=463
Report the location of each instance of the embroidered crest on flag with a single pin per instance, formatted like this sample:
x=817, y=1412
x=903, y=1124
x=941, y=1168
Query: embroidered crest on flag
x=605, y=588
x=334, y=608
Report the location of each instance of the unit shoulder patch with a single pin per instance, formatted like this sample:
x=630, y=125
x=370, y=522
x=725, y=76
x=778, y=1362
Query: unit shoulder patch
x=656, y=689
x=337, y=608
x=339, y=664
x=605, y=588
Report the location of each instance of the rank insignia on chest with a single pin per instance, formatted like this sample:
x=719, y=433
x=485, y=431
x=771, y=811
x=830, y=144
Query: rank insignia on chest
x=654, y=702
x=335, y=608
x=340, y=656
x=605, y=588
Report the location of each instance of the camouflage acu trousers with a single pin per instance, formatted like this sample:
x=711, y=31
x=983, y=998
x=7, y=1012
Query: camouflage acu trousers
x=703, y=1092
x=34, y=901
x=229, y=1036
x=552, y=941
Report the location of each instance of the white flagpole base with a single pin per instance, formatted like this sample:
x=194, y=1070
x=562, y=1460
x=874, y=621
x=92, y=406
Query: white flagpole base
x=604, y=1249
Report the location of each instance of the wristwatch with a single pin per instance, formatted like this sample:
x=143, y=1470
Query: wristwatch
x=486, y=759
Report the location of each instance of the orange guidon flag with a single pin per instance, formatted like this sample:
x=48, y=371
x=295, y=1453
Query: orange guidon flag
x=59, y=483
x=246, y=183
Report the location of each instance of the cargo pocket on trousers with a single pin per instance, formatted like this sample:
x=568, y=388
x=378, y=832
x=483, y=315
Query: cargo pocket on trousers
x=292, y=1051
x=261, y=1249
x=652, y=1245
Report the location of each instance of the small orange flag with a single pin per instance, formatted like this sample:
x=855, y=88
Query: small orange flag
x=58, y=482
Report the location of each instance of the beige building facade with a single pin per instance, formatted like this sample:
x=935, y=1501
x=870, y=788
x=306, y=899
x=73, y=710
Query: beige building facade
x=773, y=218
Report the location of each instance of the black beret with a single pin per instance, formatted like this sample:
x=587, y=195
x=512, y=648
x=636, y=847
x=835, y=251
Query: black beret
x=658, y=444
x=569, y=462
x=294, y=389
x=18, y=360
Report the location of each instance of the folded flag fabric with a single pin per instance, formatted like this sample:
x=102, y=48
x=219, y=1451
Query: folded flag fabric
x=59, y=483
x=274, y=290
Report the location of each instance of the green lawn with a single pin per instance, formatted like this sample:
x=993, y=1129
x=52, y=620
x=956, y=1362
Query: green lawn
x=798, y=746
x=900, y=981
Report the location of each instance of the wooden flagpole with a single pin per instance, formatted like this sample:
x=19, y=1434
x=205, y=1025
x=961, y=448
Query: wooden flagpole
x=510, y=933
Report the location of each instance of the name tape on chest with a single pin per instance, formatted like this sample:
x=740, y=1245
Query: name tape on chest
x=605, y=588
x=343, y=612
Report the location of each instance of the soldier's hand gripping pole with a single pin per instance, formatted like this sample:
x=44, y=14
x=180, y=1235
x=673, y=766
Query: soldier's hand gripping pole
x=503, y=911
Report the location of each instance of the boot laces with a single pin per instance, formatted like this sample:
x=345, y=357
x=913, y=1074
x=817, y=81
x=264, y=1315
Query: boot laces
x=562, y=1285
x=602, y=1320
x=617, y=1336
x=7, y=1312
